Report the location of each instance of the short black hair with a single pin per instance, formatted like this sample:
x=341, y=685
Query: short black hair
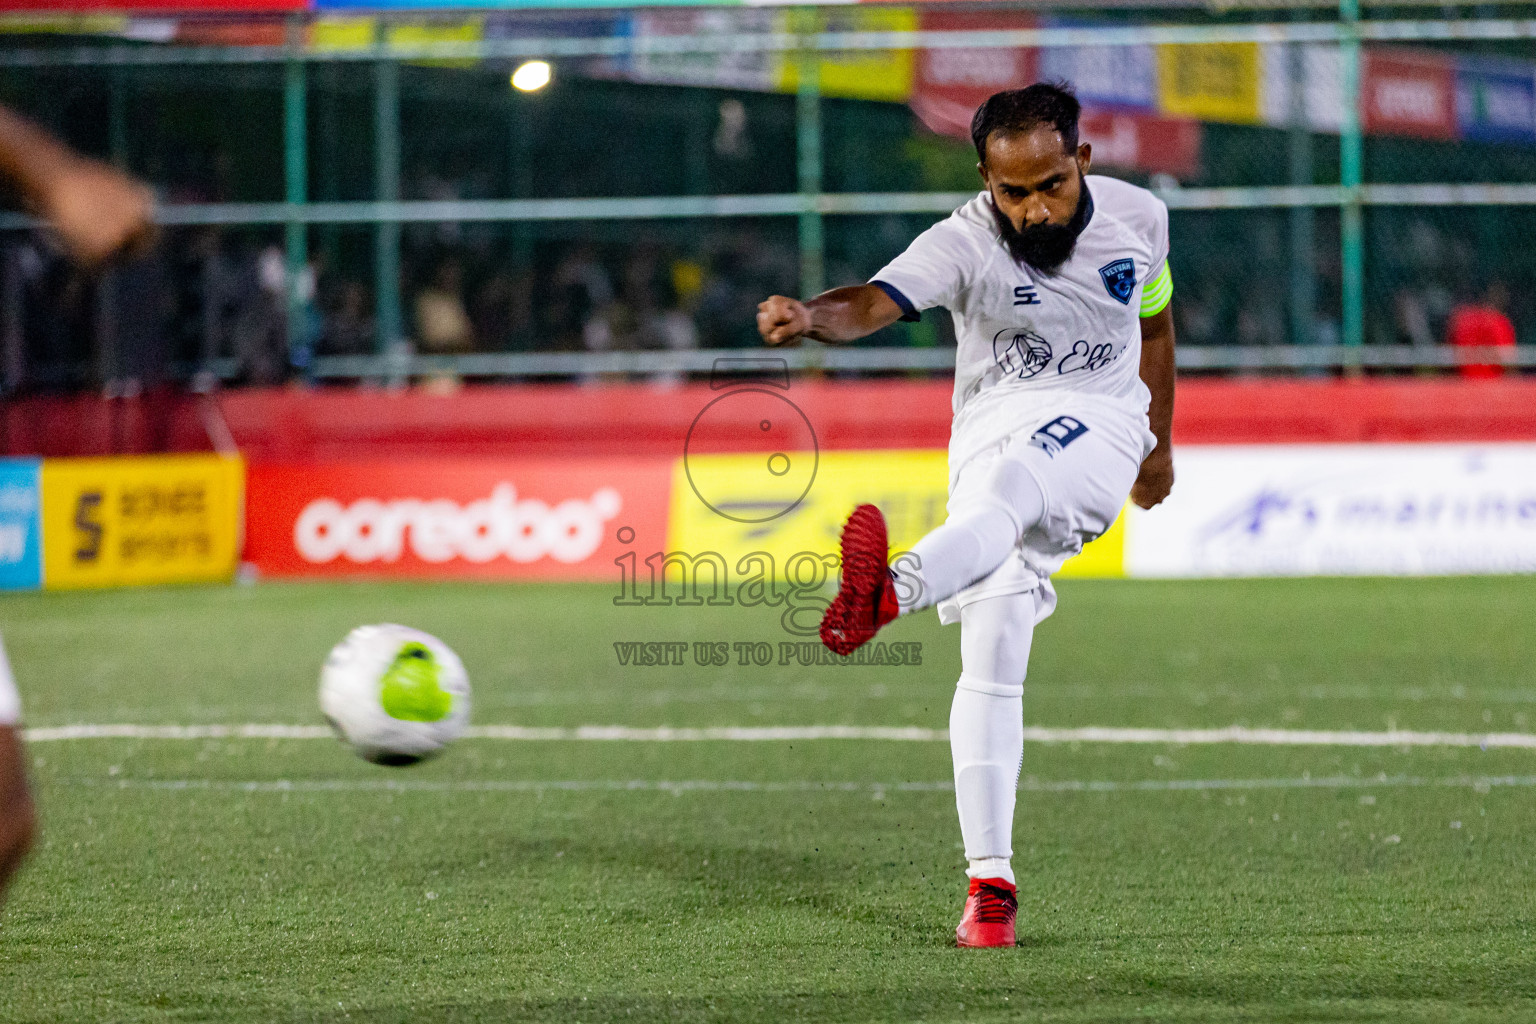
x=1051, y=104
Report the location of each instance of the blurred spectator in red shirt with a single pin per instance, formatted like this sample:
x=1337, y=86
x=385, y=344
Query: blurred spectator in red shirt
x=1482, y=325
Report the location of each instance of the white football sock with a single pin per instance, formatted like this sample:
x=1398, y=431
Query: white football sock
x=986, y=728
x=968, y=547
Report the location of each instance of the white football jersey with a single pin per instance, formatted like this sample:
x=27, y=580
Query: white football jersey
x=1028, y=339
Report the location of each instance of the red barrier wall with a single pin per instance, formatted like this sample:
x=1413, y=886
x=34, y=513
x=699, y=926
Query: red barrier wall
x=562, y=421
x=86, y=424
x=550, y=420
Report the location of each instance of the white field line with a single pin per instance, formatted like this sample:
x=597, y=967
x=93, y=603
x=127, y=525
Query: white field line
x=1479, y=783
x=1241, y=735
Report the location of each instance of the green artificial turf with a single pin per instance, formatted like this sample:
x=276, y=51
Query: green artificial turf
x=286, y=880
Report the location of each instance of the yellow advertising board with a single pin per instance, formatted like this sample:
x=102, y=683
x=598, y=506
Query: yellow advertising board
x=1210, y=81
x=147, y=519
x=735, y=505
x=856, y=74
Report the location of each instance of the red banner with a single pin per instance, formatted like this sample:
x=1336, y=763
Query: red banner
x=557, y=520
x=1407, y=92
x=56, y=8
x=1143, y=142
x=950, y=84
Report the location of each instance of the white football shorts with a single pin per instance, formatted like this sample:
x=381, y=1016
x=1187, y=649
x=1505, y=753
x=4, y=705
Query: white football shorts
x=10, y=700
x=1085, y=456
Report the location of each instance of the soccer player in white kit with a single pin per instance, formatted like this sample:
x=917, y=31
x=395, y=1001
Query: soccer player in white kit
x=1059, y=287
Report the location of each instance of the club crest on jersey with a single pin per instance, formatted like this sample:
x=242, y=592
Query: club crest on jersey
x=1120, y=278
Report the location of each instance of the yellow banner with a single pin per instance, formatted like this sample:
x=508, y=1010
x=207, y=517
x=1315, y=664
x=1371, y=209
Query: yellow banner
x=857, y=74
x=735, y=505
x=151, y=519
x=346, y=33
x=360, y=33
x=1210, y=81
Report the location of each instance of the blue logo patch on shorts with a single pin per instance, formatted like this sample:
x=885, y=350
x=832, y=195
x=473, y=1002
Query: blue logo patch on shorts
x=1057, y=434
x=1120, y=278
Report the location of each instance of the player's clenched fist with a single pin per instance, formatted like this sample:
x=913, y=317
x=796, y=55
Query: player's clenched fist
x=782, y=321
x=1155, y=481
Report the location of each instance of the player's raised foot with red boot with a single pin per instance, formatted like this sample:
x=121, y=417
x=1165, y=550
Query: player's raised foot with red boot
x=866, y=595
x=990, y=909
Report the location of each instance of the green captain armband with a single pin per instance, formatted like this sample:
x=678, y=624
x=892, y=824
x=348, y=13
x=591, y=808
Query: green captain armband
x=1155, y=296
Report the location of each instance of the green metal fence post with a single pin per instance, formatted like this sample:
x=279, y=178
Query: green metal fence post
x=1351, y=219
x=327, y=146
x=386, y=180
x=296, y=193
x=808, y=165
x=1302, y=218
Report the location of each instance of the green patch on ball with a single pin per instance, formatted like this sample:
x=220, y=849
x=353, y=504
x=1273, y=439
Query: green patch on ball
x=412, y=689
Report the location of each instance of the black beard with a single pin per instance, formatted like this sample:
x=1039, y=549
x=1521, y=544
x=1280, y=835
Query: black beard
x=1045, y=247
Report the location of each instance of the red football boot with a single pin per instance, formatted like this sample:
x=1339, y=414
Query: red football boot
x=866, y=597
x=990, y=908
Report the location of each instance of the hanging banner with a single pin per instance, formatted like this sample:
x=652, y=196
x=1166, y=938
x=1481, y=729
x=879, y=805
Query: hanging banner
x=757, y=70
x=76, y=7
x=951, y=83
x=1406, y=92
x=1495, y=102
x=1106, y=76
x=858, y=74
x=1143, y=142
x=1210, y=82
x=350, y=33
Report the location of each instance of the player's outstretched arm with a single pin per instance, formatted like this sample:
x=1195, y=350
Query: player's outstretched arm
x=1157, y=372
x=842, y=314
x=97, y=210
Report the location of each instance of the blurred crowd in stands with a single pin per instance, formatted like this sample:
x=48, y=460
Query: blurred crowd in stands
x=211, y=298
x=207, y=297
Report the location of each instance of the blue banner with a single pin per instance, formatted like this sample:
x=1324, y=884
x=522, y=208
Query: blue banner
x=1495, y=102
x=1102, y=76
x=21, y=557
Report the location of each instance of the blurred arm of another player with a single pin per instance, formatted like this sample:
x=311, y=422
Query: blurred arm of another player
x=1157, y=372
x=842, y=314
x=96, y=210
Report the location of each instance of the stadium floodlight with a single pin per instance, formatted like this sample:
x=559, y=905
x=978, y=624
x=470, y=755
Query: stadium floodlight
x=531, y=76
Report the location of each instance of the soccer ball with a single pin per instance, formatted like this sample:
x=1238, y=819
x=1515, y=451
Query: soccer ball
x=395, y=694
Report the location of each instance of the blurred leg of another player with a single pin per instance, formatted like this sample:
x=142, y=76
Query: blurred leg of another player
x=17, y=818
x=96, y=212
